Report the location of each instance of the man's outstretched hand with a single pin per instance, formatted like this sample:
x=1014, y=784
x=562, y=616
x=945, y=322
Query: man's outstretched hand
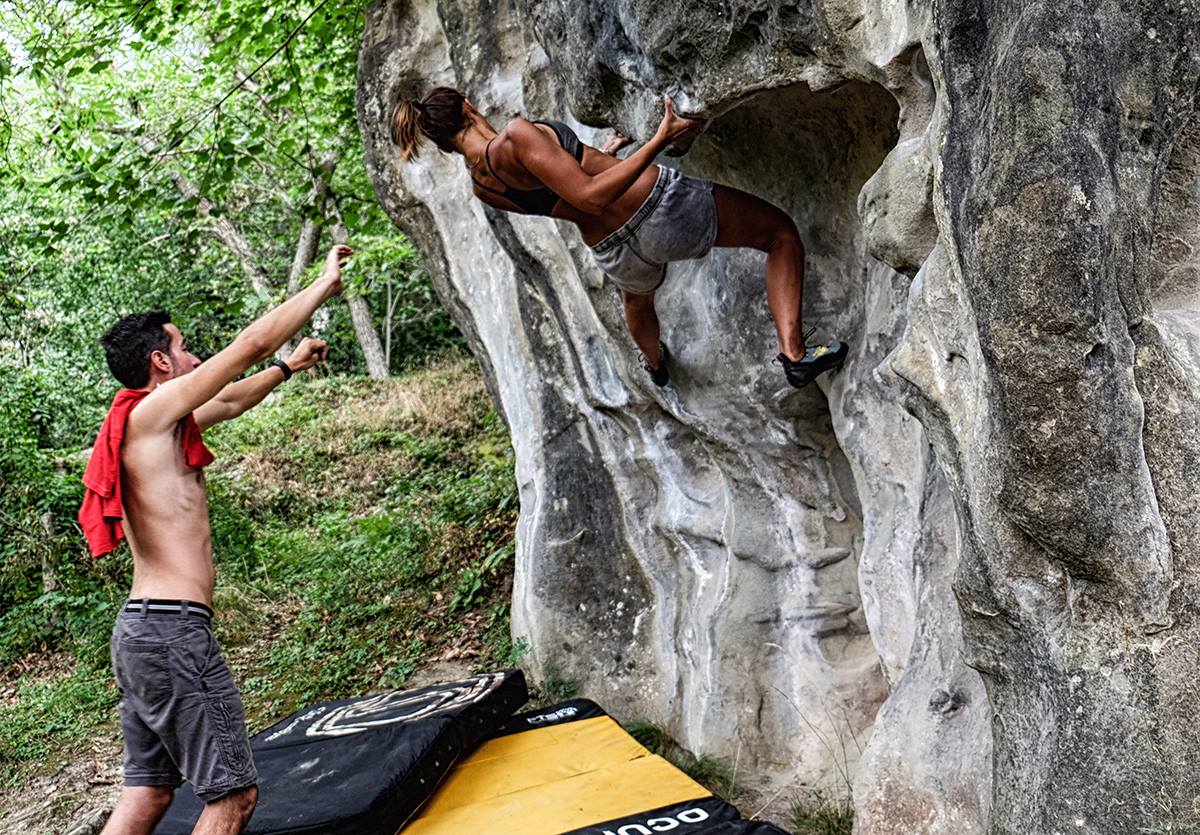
x=334, y=261
x=308, y=353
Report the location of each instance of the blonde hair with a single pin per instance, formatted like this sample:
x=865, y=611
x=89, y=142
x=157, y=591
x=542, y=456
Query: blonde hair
x=439, y=116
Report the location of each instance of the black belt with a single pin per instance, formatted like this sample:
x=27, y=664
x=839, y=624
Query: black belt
x=146, y=606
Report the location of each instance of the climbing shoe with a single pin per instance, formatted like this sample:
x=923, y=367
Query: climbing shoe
x=817, y=360
x=659, y=374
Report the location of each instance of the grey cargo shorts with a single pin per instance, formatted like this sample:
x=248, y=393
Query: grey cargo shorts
x=677, y=221
x=181, y=715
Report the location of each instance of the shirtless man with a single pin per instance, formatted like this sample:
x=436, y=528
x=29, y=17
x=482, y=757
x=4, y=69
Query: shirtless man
x=181, y=715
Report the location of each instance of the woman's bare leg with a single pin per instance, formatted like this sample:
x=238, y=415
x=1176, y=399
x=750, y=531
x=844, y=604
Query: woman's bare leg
x=643, y=325
x=744, y=220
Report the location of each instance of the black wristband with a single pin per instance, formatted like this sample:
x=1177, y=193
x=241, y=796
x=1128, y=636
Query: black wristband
x=283, y=366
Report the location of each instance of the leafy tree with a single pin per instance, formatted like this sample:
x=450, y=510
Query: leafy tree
x=158, y=153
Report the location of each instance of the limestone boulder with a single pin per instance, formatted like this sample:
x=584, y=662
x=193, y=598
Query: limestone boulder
x=954, y=577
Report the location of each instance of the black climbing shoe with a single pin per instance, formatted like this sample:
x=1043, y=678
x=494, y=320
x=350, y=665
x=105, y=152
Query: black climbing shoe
x=817, y=360
x=659, y=375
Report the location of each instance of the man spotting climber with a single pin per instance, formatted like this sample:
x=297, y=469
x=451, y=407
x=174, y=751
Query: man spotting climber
x=181, y=715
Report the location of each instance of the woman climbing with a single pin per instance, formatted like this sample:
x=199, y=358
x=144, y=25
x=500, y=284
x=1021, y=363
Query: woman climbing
x=636, y=216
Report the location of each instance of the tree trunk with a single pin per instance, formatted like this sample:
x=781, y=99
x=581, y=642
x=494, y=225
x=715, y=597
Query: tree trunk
x=364, y=328
x=49, y=579
x=310, y=236
x=232, y=237
x=368, y=339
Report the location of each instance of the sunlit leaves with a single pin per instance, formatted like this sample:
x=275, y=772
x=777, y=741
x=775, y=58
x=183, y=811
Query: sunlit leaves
x=130, y=129
x=142, y=93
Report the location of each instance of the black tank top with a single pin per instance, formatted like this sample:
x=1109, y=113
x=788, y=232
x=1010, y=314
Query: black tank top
x=536, y=201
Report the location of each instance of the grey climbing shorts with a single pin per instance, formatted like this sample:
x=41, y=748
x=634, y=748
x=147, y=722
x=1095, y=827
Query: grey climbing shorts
x=181, y=715
x=676, y=222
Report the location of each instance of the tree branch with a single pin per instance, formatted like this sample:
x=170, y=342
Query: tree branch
x=228, y=234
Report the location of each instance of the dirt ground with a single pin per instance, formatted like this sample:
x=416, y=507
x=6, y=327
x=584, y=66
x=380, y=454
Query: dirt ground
x=75, y=798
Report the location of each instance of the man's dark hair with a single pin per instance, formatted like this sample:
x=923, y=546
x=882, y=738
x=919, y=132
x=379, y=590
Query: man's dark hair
x=129, y=343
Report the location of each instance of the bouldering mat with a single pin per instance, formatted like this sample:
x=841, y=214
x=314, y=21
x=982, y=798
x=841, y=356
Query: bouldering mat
x=572, y=769
x=363, y=766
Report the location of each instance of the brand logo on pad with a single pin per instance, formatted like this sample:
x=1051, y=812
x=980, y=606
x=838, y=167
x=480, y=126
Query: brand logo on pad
x=554, y=716
x=389, y=708
x=664, y=823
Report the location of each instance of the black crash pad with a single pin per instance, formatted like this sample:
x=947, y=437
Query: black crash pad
x=364, y=766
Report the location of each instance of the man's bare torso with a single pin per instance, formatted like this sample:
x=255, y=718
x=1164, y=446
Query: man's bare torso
x=166, y=518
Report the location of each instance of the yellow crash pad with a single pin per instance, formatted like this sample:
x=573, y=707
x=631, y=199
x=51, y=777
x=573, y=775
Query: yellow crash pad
x=553, y=779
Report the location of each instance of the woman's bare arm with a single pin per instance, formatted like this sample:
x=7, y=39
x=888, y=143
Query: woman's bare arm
x=592, y=193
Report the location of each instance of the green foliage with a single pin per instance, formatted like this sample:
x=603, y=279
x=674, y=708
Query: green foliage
x=554, y=687
x=344, y=516
x=474, y=579
x=49, y=587
x=505, y=652
x=372, y=561
x=650, y=736
x=126, y=130
x=133, y=94
x=388, y=273
x=131, y=126
x=714, y=773
x=133, y=137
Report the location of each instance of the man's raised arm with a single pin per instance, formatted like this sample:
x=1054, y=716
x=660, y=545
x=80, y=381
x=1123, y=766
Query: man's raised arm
x=248, y=392
x=176, y=398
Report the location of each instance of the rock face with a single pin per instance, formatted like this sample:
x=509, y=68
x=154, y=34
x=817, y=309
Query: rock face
x=999, y=205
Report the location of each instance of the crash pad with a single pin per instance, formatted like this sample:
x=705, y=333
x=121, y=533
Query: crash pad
x=571, y=768
x=363, y=766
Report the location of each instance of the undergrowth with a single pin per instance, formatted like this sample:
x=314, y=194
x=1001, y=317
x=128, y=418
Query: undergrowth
x=553, y=687
x=822, y=817
x=47, y=713
x=360, y=528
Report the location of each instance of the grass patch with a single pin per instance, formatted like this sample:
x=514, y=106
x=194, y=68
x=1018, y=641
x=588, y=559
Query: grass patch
x=383, y=521
x=47, y=715
x=553, y=688
x=821, y=816
x=714, y=773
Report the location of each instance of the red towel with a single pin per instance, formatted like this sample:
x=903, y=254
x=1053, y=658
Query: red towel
x=101, y=512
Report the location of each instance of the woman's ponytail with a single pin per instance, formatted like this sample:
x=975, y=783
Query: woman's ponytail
x=405, y=123
x=439, y=116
